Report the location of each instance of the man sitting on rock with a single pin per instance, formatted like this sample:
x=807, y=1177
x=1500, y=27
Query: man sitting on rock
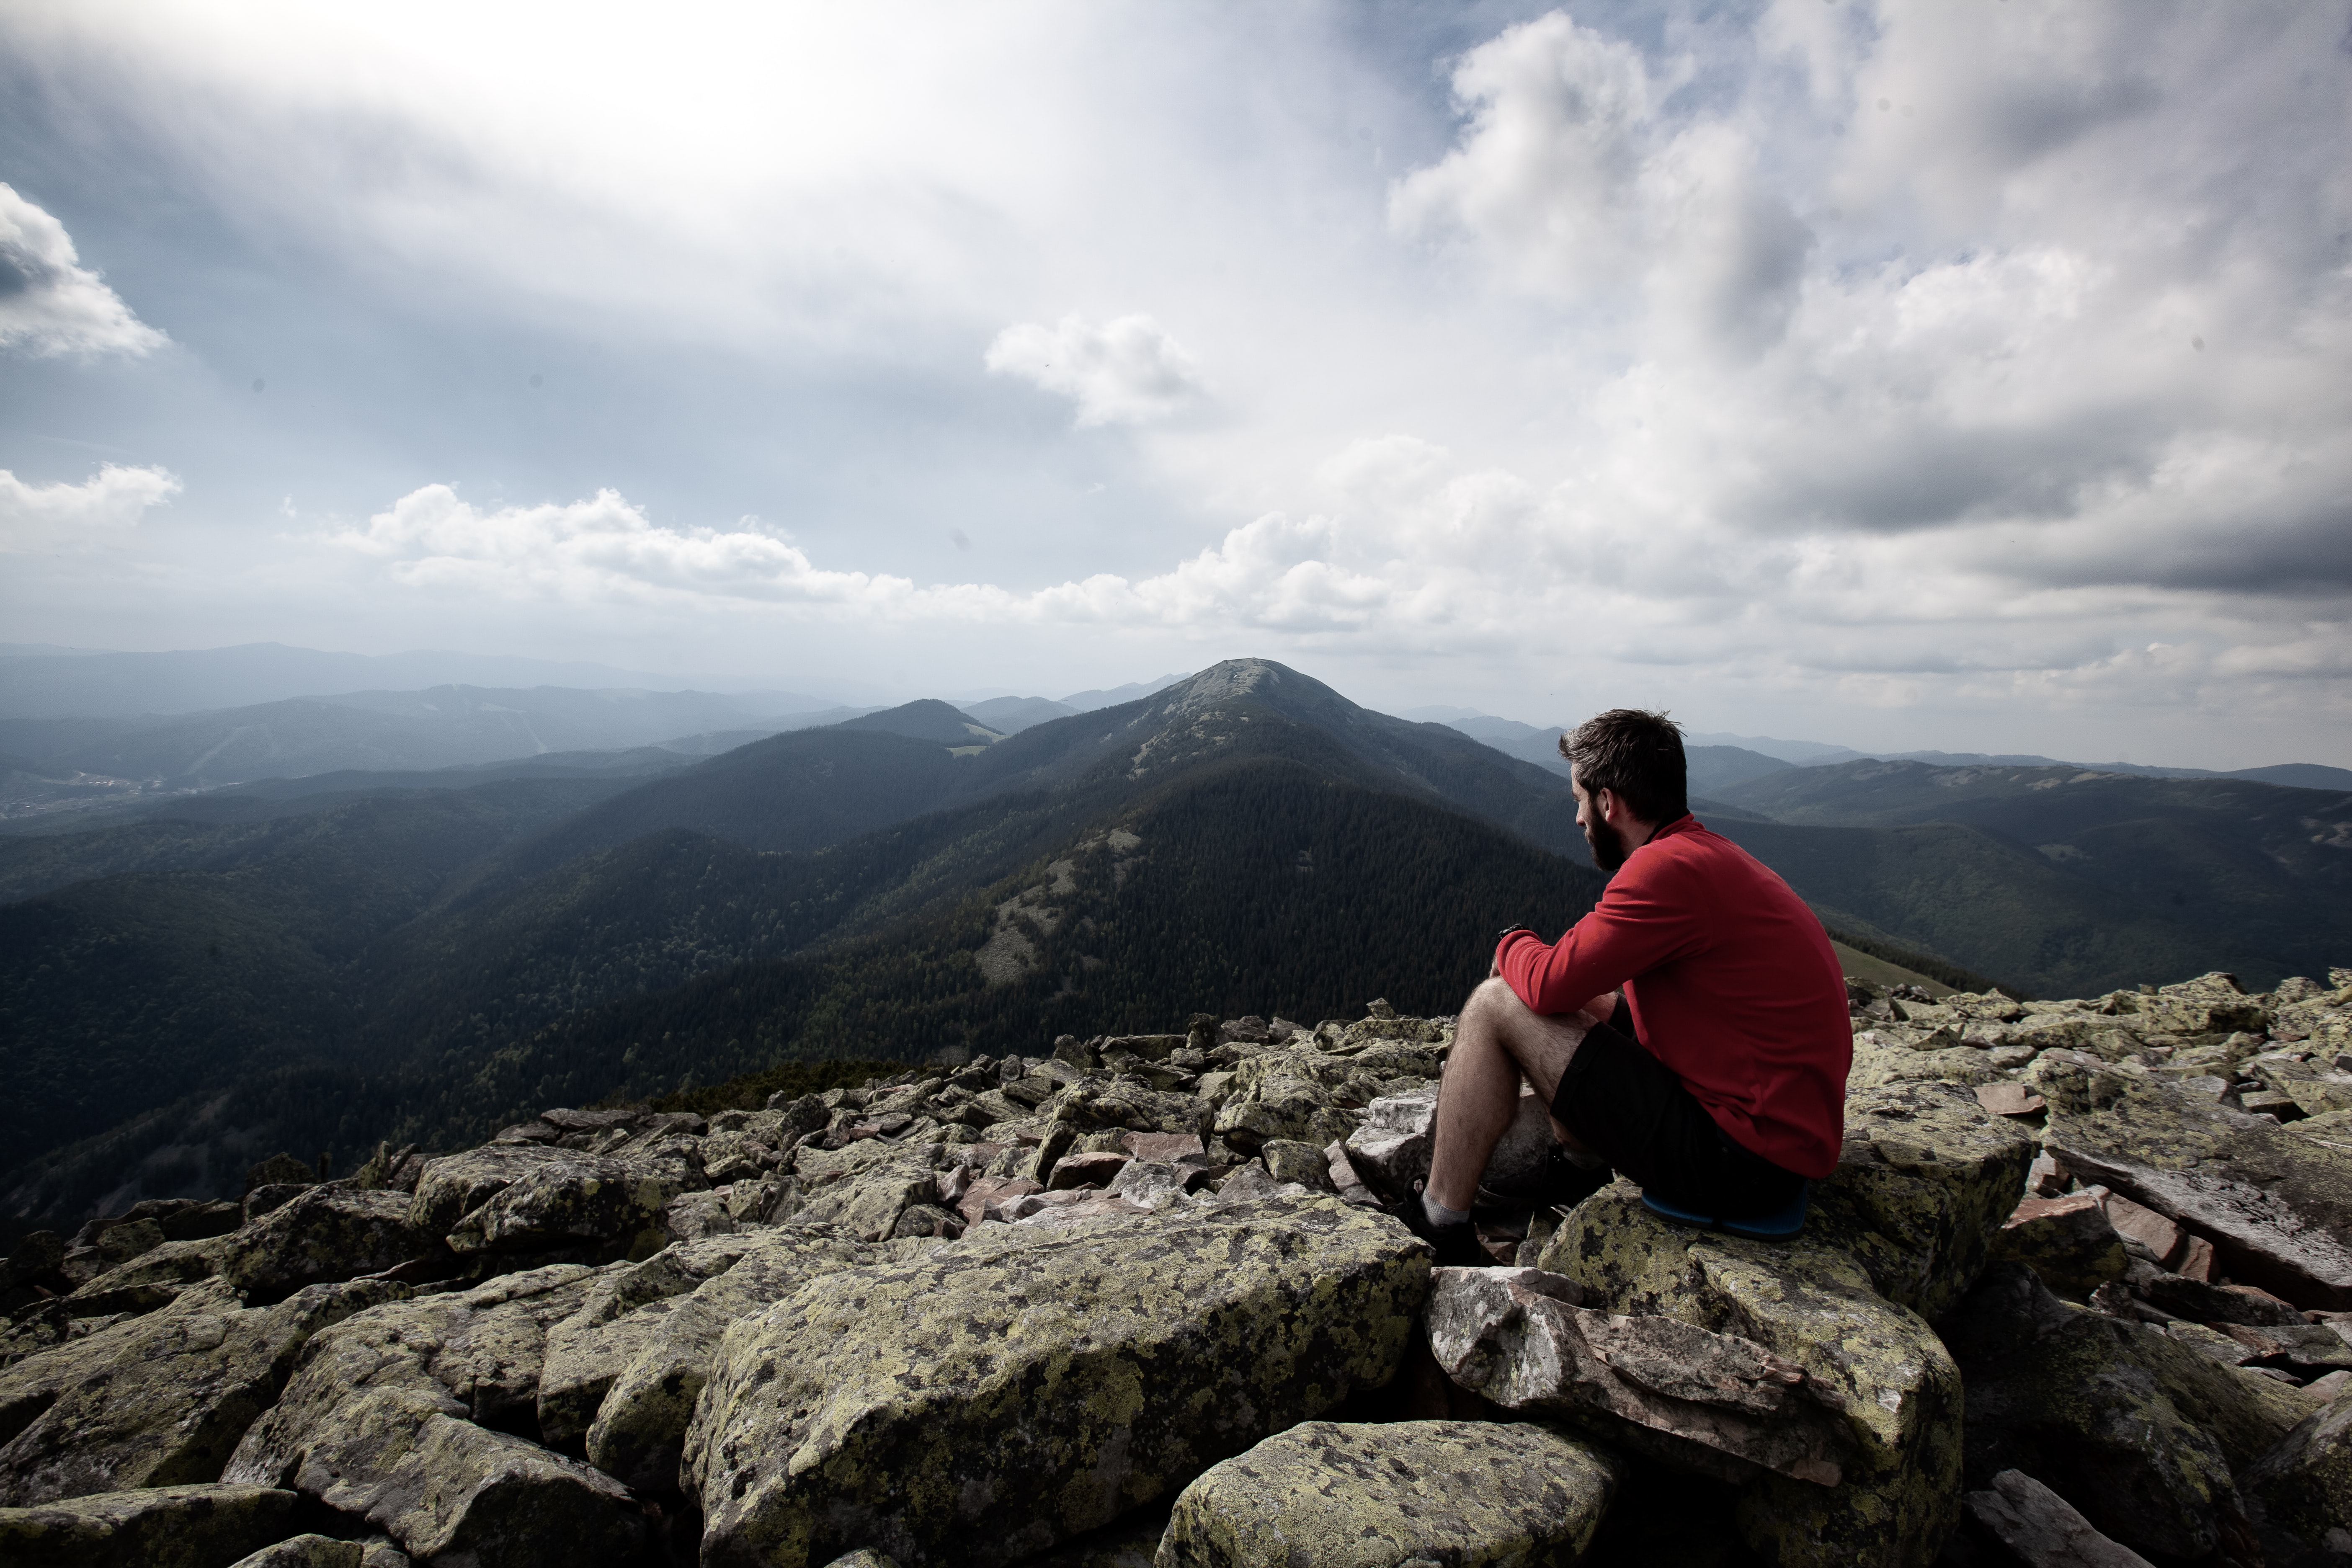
x=1718, y=1080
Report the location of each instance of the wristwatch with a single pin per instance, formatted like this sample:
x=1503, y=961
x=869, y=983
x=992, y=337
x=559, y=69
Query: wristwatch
x=1509, y=929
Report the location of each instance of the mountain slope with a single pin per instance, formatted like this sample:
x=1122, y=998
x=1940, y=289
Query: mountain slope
x=1256, y=886
x=2262, y=872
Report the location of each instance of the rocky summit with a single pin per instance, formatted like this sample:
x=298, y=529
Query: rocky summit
x=2079, y=1292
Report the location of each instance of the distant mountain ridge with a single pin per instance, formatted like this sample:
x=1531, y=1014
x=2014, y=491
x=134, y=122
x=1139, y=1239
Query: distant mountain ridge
x=324, y=962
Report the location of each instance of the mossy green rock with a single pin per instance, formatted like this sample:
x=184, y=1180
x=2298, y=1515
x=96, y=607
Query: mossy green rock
x=587, y=1351
x=380, y=1421
x=1465, y=1494
x=159, y=1400
x=2140, y=1433
x=326, y=1234
x=983, y=1400
x=640, y=1426
x=1880, y=1060
x=1923, y=1184
x=2300, y=1493
x=2277, y=1207
x=1814, y=1303
x=207, y=1526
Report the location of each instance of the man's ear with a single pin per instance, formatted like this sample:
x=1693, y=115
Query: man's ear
x=1607, y=802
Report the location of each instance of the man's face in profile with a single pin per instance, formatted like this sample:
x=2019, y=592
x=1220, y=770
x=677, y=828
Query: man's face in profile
x=1607, y=845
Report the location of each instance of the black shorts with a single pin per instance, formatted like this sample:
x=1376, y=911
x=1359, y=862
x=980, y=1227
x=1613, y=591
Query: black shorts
x=1629, y=1107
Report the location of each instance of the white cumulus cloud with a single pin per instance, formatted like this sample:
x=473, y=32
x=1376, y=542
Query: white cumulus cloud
x=1128, y=370
x=49, y=302
x=100, y=510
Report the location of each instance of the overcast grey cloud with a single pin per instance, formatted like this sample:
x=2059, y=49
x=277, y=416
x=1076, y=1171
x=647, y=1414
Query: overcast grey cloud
x=1975, y=375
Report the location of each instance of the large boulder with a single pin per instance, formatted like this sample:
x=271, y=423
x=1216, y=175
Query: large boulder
x=1924, y=1183
x=453, y=1186
x=639, y=1428
x=591, y=1204
x=151, y=1279
x=591, y=1347
x=2276, y=1207
x=2137, y=1430
x=383, y=1420
x=1812, y=1303
x=2300, y=1493
x=990, y=1398
x=866, y=1188
x=198, y=1526
x=159, y=1400
x=2034, y=1525
x=1713, y=1403
x=328, y=1233
x=1409, y=1492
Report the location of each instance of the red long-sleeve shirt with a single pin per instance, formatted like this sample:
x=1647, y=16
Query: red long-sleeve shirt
x=1732, y=984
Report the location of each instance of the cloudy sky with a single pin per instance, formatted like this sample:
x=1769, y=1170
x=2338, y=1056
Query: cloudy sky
x=1973, y=375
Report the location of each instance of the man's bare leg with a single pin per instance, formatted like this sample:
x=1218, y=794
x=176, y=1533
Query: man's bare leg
x=1497, y=1041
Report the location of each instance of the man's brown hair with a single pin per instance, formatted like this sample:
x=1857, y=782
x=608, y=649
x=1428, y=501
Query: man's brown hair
x=1636, y=754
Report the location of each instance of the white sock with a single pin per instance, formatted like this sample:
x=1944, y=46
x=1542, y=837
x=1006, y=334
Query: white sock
x=1439, y=1214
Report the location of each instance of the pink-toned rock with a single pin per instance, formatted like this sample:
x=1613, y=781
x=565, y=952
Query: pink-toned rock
x=2196, y=1259
x=2043, y=1208
x=982, y=1199
x=2009, y=1099
x=1085, y=1171
x=2145, y=1225
x=1091, y=1204
x=1162, y=1148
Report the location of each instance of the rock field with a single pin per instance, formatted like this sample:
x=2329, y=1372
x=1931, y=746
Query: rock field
x=2079, y=1292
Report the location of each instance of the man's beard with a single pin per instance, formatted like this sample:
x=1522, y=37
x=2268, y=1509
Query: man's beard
x=1607, y=845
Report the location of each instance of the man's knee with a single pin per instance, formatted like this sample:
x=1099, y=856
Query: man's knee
x=1494, y=998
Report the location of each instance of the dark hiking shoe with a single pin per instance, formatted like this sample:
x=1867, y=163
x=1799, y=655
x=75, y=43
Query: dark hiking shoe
x=1456, y=1245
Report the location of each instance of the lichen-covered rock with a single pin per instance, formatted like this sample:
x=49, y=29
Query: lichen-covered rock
x=382, y=1421
x=1713, y=1403
x=159, y=1400
x=1465, y=1493
x=587, y=1351
x=328, y=1233
x=640, y=1426
x=865, y=1187
x=307, y=1552
x=206, y=1526
x=2300, y=1493
x=612, y=1204
x=1306, y=1096
x=990, y=1397
x=151, y=1279
x=1923, y=1184
x=2277, y=1208
x=1880, y=1060
x=2139, y=1432
x=1814, y=1304
x=2068, y=1241
x=451, y=1187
